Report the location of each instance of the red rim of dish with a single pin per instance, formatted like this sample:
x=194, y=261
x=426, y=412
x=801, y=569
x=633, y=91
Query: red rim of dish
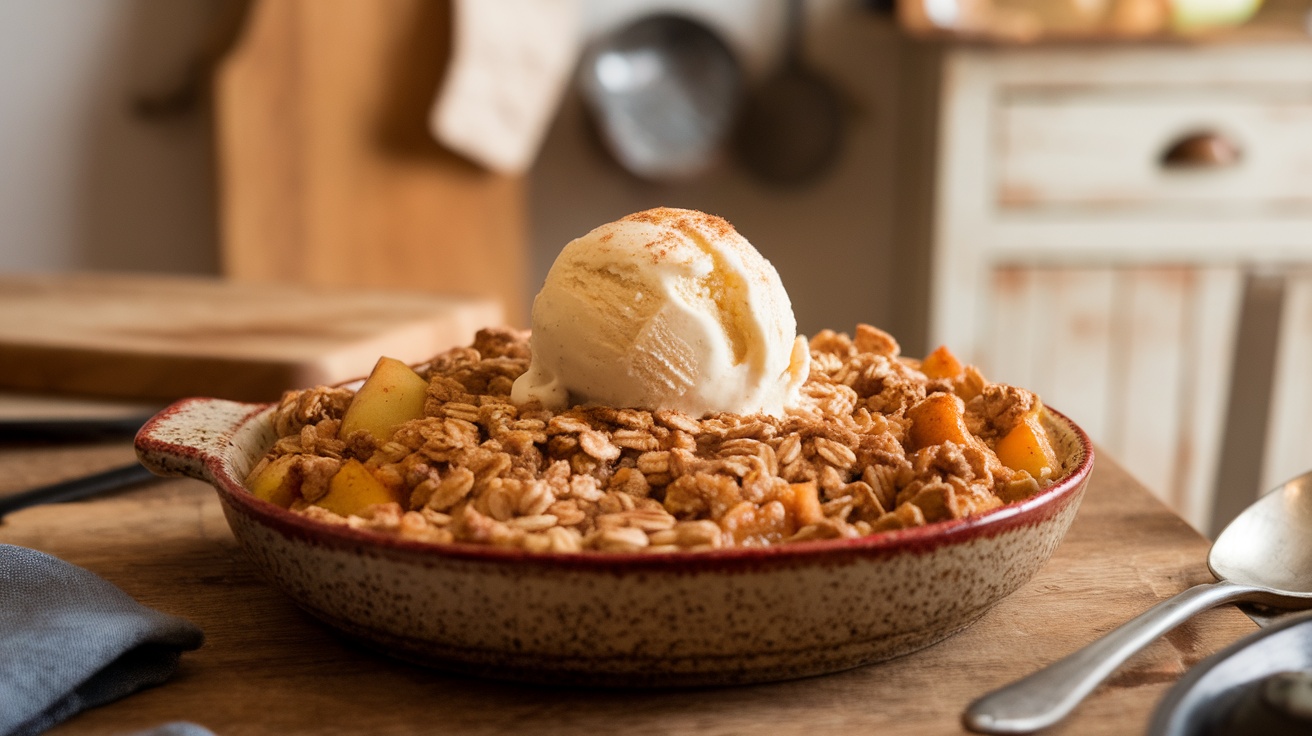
x=1036, y=509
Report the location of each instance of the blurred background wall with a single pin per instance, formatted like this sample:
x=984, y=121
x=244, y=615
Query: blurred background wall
x=86, y=183
x=90, y=184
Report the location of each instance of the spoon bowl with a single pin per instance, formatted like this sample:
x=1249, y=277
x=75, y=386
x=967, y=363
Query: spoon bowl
x=1269, y=545
x=1264, y=556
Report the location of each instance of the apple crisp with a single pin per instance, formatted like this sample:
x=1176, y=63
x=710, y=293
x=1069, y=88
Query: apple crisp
x=879, y=442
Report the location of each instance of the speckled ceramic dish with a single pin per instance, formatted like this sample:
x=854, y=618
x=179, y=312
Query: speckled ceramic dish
x=624, y=619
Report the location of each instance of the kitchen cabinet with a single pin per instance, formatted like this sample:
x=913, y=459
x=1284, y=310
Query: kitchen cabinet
x=1089, y=221
x=1289, y=428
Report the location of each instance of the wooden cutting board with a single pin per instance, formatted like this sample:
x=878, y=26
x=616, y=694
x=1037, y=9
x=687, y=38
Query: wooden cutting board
x=166, y=337
x=327, y=172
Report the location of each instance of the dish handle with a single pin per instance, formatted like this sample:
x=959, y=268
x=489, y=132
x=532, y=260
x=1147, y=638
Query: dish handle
x=196, y=437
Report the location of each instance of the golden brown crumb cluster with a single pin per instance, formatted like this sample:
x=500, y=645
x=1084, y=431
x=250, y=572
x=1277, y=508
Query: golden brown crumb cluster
x=852, y=460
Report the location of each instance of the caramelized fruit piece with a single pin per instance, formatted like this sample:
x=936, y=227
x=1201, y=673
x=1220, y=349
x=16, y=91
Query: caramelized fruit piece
x=1026, y=447
x=937, y=419
x=354, y=488
x=393, y=394
x=750, y=525
x=941, y=364
x=802, y=503
x=277, y=481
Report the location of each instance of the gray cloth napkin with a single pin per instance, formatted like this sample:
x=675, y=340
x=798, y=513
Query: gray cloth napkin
x=70, y=640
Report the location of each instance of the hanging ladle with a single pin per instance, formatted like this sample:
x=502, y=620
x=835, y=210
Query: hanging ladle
x=1264, y=556
x=792, y=124
x=664, y=92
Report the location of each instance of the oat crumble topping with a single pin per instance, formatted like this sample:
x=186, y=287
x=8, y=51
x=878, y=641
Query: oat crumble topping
x=844, y=463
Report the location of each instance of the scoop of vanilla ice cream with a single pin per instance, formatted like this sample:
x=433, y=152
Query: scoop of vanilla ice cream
x=664, y=309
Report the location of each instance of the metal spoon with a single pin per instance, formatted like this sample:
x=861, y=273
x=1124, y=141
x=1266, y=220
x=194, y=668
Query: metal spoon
x=1264, y=556
x=664, y=92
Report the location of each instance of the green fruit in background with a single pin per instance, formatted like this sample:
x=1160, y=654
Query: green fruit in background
x=1189, y=15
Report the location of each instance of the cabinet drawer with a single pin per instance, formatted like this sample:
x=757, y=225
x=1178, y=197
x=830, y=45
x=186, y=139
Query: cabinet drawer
x=1106, y=148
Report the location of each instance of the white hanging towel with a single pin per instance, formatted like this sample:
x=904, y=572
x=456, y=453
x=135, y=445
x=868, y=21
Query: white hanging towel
x=510, y=62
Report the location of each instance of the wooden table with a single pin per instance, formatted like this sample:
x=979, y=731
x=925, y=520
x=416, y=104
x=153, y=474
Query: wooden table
x=266, y=667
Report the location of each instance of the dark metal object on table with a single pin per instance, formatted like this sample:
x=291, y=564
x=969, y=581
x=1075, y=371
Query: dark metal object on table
x=78, y=488
x=69, y=431
x=1264, y=556
x=1238, y=690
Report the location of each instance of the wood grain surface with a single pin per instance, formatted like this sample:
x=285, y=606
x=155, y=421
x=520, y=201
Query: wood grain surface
x=328, y=173
x=266, y=667
x=165, y=337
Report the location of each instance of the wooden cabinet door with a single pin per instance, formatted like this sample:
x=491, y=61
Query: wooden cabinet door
x=1138, y=356
x=1289, y=429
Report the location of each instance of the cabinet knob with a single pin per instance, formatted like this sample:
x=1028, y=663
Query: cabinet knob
x=1201, y=150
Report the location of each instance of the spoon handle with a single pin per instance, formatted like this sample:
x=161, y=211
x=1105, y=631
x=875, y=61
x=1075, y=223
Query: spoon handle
x=1045, y=697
